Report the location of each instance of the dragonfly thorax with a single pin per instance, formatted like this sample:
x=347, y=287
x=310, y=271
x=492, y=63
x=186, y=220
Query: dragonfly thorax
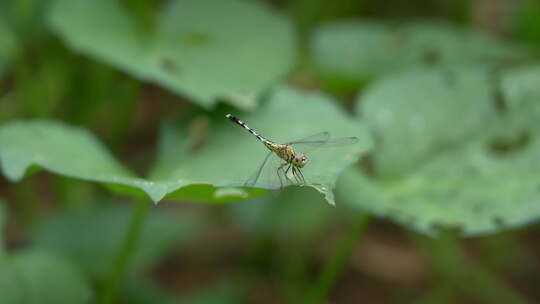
x=287, y=153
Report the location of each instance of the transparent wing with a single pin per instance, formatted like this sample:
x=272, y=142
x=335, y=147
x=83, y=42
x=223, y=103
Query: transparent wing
x=323, y=140
x=313, y=139
x=269, y=177
x=255, y=177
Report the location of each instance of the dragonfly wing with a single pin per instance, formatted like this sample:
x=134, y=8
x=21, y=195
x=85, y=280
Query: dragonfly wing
x=341, y=141
x=315, y=139
x=323, y=140
x=255, y=177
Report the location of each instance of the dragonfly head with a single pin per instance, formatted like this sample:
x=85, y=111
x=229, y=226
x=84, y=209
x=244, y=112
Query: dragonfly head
x=299, y=160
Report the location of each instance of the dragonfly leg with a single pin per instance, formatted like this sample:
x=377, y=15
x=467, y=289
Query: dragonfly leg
x=287, y=171
x=297, y=176
x=294, y=174
x=278, y=171
x=301, y=175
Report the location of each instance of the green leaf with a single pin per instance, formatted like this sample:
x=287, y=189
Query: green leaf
x=232, y=155
x=478, y=174
x=520, y=91
x=419, y=110
x=204, y=49
x=91, y=238
x=229, y=157
x=29, y=278
x=368, y=48
x=64, y=150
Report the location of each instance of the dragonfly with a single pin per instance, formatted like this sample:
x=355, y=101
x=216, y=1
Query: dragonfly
x=292, y=161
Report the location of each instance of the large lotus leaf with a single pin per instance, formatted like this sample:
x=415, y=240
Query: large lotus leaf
x=204, y=49
x=415, y=114
x=367, y=48
x=32, y=278
x=484, y=180
x=91, y=238
x=228, y=158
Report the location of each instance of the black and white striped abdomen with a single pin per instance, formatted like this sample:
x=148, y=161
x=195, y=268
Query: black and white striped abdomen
x=250, y=130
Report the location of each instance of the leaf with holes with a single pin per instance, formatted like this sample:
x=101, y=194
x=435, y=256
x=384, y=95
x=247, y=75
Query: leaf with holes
x=203, y=49
x=447, y=157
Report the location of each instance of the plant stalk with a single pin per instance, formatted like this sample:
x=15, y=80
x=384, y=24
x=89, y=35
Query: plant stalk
x=338, y=261
x=123, y=258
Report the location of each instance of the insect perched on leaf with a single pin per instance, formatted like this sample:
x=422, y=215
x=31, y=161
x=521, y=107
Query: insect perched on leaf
x=292, y=161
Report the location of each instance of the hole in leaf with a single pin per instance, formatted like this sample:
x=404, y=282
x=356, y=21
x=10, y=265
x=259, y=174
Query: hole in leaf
x=498, y=96
x=169, y=65
x=499, y=221
x=431, y=57
x=197, y=39
x=507, y=145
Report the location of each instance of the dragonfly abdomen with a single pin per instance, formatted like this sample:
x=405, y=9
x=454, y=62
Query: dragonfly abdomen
x=250, y=130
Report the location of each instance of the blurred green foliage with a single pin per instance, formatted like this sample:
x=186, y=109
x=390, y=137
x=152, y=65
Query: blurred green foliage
x=90, y=237
x=132, y=95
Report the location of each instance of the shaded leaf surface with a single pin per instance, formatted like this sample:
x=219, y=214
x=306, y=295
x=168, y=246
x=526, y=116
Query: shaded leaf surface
x=367, y=48
x=26, y=279
x=296, y=213
x=202, y=49
x=91, y=238
x=474, y=174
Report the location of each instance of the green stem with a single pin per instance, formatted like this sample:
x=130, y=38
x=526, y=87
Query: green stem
x=131, y=240
x=338, y=261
